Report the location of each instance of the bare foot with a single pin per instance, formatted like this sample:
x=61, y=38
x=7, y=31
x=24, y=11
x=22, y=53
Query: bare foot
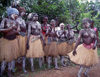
x=86, y=75
x=25, y=71
x=56, y=68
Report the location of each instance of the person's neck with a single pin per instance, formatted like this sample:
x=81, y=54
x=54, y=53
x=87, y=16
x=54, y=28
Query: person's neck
x=34, y=20
x=92, y=27
x=45, y=23
x=53, y=26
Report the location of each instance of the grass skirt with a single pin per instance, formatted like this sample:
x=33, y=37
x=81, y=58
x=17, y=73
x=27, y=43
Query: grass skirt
x=84, y=56
x=9, y=49
x=46, y=46
x=70, y=47
x=35, y=49
x=46, y=49
x=62, y=48
x=22, y=44
x=1, y=57
x=52, y=49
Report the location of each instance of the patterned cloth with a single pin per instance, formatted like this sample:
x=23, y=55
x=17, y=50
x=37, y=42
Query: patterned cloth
x=11, y=11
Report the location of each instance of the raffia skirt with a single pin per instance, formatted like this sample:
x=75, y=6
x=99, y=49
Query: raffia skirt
x=52, y=49
x=84, y=56
x=46, y=49
x=62, y=48
x=9, y=49
x=35, y=49
x=46, y=46
x=1, y=58
x=22, y=44
x=70, y=47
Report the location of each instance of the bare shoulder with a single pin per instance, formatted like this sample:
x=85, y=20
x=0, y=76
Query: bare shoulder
x=48, y=24
x=38, y=22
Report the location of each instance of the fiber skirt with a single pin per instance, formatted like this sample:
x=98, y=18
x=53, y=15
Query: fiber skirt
x=46, y=49
x=35, y=49
x=1, y=57
x=70, y=47
x=62, y=48
x=52, y=49
x=9, y=49
x=22, y=45
x=84, y=56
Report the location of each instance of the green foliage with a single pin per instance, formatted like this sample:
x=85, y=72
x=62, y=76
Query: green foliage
x=5, y=2
x=66, y=12
x=99, y=51
x=2, y=11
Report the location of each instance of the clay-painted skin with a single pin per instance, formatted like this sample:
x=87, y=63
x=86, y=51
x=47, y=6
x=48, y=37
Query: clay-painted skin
x=10, y=23
x=86, y=34
x=52, y=34
x=34, y=31
x=22, y=27
x=61, y=34
x=45, y=24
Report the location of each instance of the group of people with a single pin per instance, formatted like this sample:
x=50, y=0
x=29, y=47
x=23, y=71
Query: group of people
x=45, y=41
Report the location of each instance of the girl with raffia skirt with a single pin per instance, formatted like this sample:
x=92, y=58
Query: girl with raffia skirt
x=85, y=54
x=62, y=43
x=51, y=46
x=34, y=44
x=45, y=26
x=22, y=38
x=9, y=49
x=70, y=38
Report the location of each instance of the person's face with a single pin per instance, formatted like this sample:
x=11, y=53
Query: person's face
x=86, y=25
x=14, y=16
x=57, y=22
x=45, y=19
x=62, y=27
x=92, y=24
x=35, y=17
x=68, y=27
x=53, y=23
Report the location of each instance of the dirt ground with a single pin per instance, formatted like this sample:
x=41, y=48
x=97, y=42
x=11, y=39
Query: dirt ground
x=69, y=71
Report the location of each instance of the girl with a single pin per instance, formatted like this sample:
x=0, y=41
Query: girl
x=34, y=45
x=85, y=54
x=62, y=42
x=52, y=44
x=9, y=44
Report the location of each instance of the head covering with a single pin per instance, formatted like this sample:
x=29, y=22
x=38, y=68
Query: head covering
x=11, y=11
x=62, y=24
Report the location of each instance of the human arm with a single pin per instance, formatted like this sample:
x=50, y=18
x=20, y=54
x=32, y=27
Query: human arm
x=28, y=36
x=77, y=42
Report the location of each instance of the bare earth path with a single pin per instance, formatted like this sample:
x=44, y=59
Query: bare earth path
x=63, y=72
